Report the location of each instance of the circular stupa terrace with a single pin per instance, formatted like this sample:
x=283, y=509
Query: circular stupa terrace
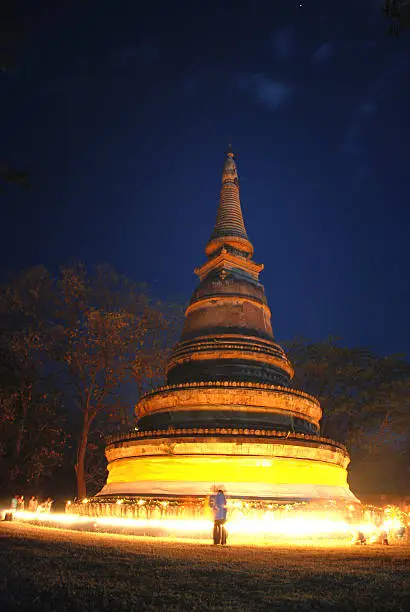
x=249, y=461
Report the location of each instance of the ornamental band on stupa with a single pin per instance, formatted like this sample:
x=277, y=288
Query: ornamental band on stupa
x=228, y=415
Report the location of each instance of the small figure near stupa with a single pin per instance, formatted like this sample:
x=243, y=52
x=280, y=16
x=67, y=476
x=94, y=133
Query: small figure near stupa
x=33, y=504
x=20, y=503
x=359, y=538
x=218, y=505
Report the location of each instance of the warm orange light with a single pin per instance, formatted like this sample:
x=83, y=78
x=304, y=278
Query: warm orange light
x=227, y=397
x=206, y=469
x=311, y=525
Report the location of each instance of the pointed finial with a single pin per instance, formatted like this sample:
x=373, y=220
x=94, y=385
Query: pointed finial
x=229, y=170
x=229, y=228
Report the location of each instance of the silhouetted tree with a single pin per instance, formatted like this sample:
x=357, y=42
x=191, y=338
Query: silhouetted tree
x=365, y=397
x=398, y=14
x=105, y=322
x=12, y=37
x=31, y=421
x=86, y=340
x=8, y=176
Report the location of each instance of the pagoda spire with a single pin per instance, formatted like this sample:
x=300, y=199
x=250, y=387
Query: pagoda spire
x=229, y=227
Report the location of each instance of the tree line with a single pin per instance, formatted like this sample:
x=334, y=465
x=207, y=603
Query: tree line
x=365, y=399
x=78, y=348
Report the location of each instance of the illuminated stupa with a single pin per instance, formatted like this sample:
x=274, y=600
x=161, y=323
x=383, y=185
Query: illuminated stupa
x=228, y=415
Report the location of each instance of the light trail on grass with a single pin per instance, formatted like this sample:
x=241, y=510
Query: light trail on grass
x=262, y=528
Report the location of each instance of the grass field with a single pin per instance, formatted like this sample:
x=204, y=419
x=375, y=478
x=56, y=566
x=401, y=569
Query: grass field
x=51, y=569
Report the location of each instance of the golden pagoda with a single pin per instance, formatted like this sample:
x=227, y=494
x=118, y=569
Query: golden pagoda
x=228, y=415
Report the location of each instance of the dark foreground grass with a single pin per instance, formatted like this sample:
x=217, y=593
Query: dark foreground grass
x=50, y=569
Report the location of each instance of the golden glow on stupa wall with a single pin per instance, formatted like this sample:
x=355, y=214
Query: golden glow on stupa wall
x=293, y=471
x=228, y=415
x=232, y=471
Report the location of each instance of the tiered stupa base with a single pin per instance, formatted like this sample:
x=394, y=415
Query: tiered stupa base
x=251, y=464
x=245, y=462
x=249, y=461
x=159, y=483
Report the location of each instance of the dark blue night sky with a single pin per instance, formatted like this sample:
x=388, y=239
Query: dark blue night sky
x=121, y=113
